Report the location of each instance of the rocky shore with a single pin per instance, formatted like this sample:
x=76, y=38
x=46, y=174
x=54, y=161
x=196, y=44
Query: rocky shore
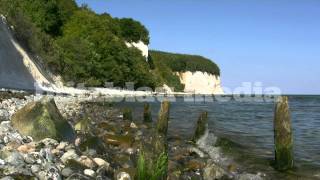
x=106, y=146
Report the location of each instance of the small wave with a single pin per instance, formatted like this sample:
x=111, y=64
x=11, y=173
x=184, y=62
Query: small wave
x=207, y=144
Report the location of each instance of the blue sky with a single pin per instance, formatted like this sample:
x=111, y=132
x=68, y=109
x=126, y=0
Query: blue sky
x=276, y=42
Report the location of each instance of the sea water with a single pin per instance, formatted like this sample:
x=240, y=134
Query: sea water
x=247, y=126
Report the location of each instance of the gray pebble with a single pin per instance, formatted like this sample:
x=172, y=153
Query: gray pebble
x=35, y=169
x=66, y=172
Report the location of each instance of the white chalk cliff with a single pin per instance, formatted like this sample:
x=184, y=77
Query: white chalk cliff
x=18, y=70
x=201, y=82
x=195, y=82
x=16, y=64
x=141, y=46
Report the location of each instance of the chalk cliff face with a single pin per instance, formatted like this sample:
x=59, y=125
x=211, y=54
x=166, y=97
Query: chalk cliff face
x=201, y=82
x=17, y=70
x=141, y=46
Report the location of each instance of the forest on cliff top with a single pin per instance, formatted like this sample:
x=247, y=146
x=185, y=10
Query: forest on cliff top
x=85, y=47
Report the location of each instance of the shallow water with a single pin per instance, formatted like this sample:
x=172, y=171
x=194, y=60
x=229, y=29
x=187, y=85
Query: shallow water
x=249, y=126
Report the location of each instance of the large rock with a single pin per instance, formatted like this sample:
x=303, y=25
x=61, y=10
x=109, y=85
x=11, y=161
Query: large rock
x=42, y=120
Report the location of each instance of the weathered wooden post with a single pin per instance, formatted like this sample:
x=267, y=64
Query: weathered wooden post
x=162, y=124
x=147, y=117
x=160, y=141
x=201, y=127
x=283, y=135
x=127, y=114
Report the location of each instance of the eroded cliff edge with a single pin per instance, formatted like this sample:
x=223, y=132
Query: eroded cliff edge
x=186, y=73
x=201, y=82
x=17, y=71
x=68, y=50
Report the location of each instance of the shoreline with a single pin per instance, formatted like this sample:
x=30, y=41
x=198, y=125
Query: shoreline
x=200, y=157
x=72, y=109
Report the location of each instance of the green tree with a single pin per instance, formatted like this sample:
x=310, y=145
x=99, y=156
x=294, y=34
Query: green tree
x=90, y=48
x=133, y=31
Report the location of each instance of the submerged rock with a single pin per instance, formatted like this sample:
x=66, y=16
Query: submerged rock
x=213, y=171
x=42, y=120
x=107, y=126
x=118, y=140
x=83, y=125
x=91, y=142
x=250, y=177
x=194, y=165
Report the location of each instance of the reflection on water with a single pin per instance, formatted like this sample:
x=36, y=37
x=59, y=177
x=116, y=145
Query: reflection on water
x=250, y=125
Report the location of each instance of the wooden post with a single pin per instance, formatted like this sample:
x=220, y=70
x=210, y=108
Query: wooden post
x=201, y=126
x=160, y=143
x=162, y=124
x=127, y=114
x=283, y=135
x=147, y=117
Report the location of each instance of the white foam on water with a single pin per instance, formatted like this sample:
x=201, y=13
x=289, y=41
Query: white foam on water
x=207, y=144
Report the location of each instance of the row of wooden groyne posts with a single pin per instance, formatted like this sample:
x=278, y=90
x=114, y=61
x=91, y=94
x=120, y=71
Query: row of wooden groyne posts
x=154, y=161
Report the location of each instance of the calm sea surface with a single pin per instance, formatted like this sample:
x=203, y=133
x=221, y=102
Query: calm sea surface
x=249, y=126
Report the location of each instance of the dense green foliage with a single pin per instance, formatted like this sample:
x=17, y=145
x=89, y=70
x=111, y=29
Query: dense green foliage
x=166, y=65
x=101, y=55
x=133, y=31
x=184, y=62
x=85, y=47
x=165, y=75
x=36, y=23
x=78, y=44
